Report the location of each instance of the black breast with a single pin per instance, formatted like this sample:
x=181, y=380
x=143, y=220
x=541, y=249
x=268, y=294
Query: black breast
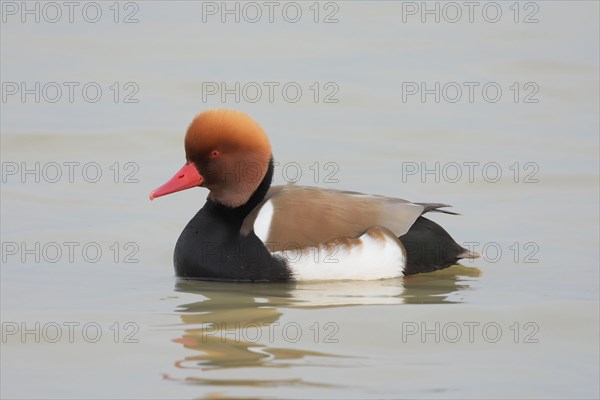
x=212, y=248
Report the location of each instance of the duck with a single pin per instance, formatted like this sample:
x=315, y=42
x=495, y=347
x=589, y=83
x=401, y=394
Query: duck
x=249, y=230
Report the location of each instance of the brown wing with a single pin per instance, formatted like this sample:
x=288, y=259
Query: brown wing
x=304, y=216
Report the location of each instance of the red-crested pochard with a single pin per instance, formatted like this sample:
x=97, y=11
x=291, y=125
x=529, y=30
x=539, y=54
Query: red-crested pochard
x=249, y=230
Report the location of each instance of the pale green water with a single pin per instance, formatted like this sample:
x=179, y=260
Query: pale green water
x=522, y=323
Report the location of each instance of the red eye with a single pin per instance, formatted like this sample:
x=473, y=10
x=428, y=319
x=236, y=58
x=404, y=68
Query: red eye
x=215, y=153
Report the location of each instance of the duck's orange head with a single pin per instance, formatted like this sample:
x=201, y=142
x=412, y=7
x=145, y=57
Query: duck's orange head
x=227, y=152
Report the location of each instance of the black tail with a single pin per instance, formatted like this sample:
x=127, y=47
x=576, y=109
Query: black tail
x=429, y=248
x=435, y=207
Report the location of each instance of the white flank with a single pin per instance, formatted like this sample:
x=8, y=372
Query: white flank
x=369, y=259
x=262, y=224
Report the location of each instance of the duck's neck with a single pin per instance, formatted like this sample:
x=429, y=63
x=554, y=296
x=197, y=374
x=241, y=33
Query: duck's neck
x=242, y=211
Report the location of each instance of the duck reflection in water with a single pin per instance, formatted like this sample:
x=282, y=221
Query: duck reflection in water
x=232, y=325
